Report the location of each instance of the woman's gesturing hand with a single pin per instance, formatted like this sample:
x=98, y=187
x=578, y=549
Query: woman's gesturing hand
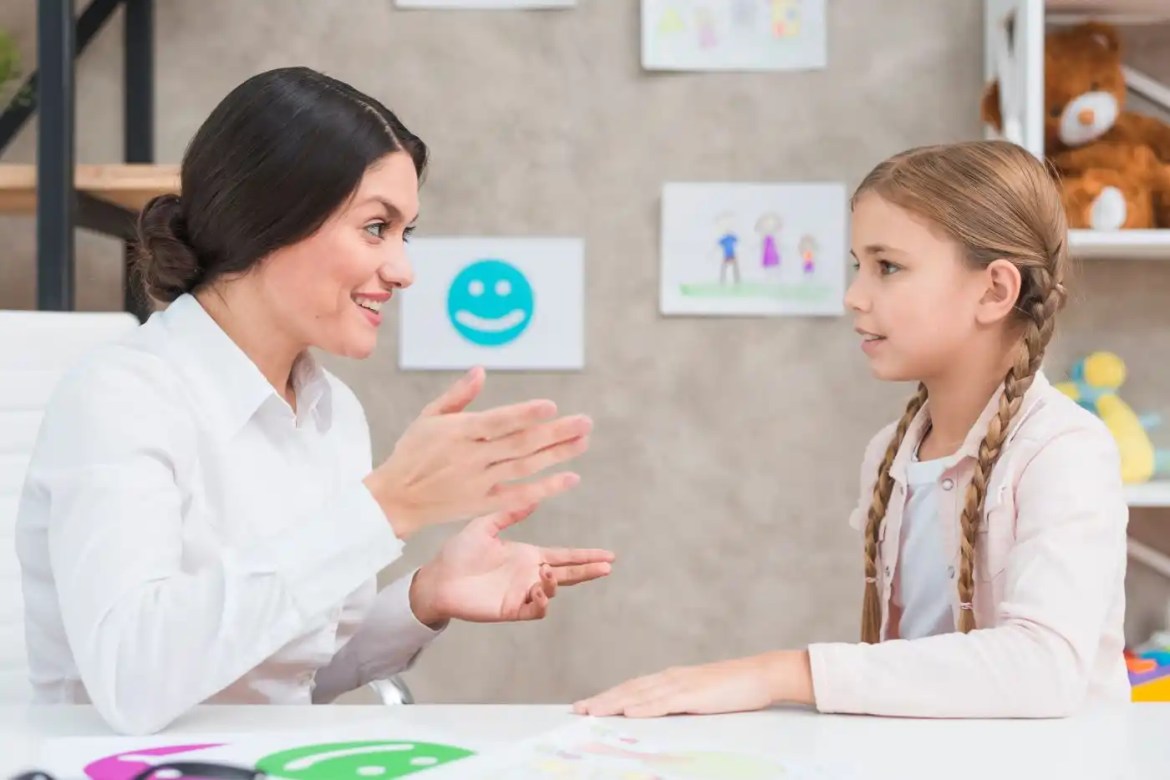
x=452, y=464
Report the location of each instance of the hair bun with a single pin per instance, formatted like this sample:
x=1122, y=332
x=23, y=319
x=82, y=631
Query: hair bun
x=166, y=262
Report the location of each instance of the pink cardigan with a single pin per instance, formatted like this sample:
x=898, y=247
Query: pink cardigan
x=1049, y=579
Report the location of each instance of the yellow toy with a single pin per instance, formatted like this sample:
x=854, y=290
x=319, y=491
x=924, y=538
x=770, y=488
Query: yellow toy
x=1094, y=383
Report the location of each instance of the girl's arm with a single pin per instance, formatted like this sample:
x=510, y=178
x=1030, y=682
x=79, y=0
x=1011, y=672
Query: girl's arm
x=1063, y=578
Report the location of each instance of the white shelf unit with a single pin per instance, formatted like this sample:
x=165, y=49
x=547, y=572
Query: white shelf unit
x=1149, y=494
x=1014, y=33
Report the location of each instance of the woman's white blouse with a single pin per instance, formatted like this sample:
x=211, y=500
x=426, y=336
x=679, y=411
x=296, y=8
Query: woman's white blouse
x=184, y=537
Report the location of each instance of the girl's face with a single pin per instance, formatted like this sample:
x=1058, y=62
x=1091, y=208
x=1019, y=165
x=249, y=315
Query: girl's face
x=328, y=289
x=917, y=304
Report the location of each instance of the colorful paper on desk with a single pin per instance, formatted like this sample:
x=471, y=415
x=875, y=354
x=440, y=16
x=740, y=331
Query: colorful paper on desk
x=388, y=750
x=592, y=750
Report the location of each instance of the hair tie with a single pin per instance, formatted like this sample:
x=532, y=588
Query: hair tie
x=965, y=605
x=872, y=580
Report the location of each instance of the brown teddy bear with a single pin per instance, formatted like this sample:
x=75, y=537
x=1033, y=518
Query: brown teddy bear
x=1114, y=164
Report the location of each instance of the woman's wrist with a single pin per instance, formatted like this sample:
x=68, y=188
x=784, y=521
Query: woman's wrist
x=423, y=599
x=401, y=520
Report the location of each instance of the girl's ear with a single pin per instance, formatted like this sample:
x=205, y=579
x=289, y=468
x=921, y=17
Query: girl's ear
x=1002, y=281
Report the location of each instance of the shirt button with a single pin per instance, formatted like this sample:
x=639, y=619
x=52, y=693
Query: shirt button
x=948, y=483
x=887, y=571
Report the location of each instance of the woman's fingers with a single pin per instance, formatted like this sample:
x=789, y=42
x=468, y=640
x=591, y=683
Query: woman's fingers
x=536, y=606
x=506, y=519
x=575, y=575
x=563, y=556
x=506, y=497
x=522, y=468
x=506, y=420
x=458, y=396
x=539, y=438
x=548, y=581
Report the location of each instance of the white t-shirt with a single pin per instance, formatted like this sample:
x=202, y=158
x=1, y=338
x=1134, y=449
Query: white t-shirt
x=925, y=579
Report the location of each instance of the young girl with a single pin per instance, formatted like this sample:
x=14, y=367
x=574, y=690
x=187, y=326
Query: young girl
x=993, y=510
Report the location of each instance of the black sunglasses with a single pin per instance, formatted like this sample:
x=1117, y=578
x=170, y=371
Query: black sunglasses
x=175, y=771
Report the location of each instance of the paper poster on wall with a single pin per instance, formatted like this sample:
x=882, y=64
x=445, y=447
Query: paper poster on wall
x=392, y=749
x=753, y=249
x=500, y=303
x=590, y=750
x=486, y=4
x=740, y=35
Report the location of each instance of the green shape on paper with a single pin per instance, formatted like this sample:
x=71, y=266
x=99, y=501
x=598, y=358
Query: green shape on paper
x=358, y=760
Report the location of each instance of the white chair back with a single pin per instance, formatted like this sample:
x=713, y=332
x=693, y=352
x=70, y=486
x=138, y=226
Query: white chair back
x=36, y=348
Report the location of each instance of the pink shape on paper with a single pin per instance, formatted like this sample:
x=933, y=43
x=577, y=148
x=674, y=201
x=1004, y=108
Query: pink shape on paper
x=125, y=766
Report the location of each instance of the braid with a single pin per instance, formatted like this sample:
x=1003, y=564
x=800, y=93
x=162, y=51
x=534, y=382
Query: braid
x=871, y=611
x=1040, y=304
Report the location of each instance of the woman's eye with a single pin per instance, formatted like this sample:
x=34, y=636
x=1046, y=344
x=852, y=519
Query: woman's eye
x=375, y=229
x=887, y=267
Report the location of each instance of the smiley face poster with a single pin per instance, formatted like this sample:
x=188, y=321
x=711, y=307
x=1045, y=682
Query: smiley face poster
x=501, y=303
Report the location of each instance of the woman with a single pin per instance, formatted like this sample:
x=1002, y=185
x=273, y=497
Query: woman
x=200, y=521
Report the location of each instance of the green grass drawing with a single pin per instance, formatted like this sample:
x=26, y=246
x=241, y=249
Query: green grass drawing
x=782, y=292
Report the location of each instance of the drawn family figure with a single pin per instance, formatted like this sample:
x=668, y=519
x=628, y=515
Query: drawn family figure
x=671, y=22
x=705, y=24
x=785, y=18
x=768, y=227
x=808, y=254
x=727, y=241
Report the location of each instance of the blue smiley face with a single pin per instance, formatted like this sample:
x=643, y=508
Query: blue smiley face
x=490, y=303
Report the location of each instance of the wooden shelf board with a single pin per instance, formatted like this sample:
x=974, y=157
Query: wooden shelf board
x=1149, y=494
x=125, y=185
x=1124, y=11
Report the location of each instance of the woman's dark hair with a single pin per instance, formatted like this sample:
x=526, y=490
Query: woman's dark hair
x=276, y=157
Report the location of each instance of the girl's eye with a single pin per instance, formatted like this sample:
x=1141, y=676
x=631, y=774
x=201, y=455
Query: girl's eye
x=887, y=267
x=375, y=229
x=406, y=234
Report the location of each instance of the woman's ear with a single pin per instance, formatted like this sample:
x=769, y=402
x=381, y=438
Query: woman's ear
x=1002, y=282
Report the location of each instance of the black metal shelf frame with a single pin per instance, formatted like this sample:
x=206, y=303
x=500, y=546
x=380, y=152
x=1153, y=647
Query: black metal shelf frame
x=60, y=208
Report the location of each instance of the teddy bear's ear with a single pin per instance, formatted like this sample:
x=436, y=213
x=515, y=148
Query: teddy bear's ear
x=1101, y=34
x=989, y=107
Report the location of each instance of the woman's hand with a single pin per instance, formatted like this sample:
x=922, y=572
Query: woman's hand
x=728, y=686
x=479, y=577
x=451, y=464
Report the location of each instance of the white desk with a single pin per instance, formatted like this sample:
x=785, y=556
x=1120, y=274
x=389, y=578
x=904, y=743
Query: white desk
x=1127, y=742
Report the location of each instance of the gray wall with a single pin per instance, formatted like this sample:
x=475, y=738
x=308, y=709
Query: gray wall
x=725, y=454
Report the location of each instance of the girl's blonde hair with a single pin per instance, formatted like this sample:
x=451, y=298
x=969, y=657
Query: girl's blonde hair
x=997, y=201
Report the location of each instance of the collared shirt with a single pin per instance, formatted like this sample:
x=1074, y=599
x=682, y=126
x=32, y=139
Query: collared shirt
x=1050, y=562
x=185, y=537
